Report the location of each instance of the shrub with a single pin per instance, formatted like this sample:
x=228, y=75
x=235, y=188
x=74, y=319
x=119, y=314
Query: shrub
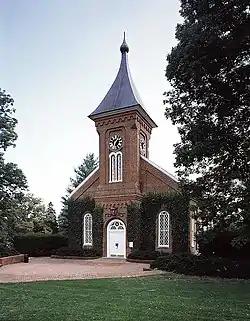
x=143, y=255
x=8, y=252
x=66, y=251
x=203, y=266
x=6, y=238
x=38, y=244
x=220, y=243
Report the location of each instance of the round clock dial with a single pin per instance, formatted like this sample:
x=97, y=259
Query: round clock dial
x=143, y=146
x=115, y=142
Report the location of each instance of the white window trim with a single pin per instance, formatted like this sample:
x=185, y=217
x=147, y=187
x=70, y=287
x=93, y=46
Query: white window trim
x=111, y=155
x=193, y=240
x=115, y=154
x=168, y=217
x=84, y=230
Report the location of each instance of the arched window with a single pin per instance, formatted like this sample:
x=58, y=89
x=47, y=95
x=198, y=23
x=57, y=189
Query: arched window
x=112, y=167
x=115, y=167
x=87, y=229
x=163, y=229
x=119, y=166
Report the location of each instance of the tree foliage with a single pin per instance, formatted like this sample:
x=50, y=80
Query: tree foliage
x=209, y=71
x=50, y=218
x=13, y=183
x=89, y=163
x=32, y=215
x=8, y=123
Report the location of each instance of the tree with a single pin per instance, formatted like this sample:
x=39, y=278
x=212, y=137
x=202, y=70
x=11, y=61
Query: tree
x=63, y=222
x=50, y=218
x=13, y=183
x=209, y=71
x=89, y=163
x=8, y=123
x=30, y=215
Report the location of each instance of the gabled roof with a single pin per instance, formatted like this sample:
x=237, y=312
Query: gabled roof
x=160, y=169
x=144, y=158
x=83, y=182
x=123, y=94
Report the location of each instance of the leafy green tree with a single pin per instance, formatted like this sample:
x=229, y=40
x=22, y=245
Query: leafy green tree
x=36, y=212
x=8, y=123
x=22, y=227
x=13, y=183
x=89, y=163
x=209, y=71
x=30, y=215
x=50, y=218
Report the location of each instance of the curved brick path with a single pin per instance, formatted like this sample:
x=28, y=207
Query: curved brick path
x=59, y=269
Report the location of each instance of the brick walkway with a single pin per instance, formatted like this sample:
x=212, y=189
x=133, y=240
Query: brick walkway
x=59, y=269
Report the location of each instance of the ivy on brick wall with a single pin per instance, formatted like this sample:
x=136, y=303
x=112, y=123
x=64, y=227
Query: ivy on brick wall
x=98, y=228
x=76, y=211
x=141, y=220
x=134, y=224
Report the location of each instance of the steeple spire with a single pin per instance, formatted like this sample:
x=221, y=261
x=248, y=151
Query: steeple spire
x=124, y=46
x=122, y=95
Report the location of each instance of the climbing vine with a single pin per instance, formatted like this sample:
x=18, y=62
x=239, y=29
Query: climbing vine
x=76, y=211
x=134, y=224
x=142, y=219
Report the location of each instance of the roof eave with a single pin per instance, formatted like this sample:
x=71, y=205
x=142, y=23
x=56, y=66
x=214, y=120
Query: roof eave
x=83, y=182
x=138, y=107
x=175, y=179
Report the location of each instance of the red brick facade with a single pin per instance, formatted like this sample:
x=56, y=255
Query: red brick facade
x=139, y=175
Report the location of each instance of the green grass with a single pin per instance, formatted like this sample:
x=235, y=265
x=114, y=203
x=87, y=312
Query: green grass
x=149, y=298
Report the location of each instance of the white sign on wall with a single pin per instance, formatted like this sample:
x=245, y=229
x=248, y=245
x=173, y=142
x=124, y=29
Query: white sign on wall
x=131, y=244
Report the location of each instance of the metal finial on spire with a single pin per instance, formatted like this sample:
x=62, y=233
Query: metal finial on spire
x=124, y=47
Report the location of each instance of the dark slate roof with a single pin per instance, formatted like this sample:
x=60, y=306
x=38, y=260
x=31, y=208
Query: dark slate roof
x=123, y=93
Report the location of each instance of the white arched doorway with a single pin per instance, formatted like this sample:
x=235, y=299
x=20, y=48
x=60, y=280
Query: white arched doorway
x=116, y=239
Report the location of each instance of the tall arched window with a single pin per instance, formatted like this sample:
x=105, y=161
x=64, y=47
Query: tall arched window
x=163, y=229
x=115, y=167
x=119, y=166
x=112, y=166
x=87, y=229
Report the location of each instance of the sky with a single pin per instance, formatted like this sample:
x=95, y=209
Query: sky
x=58, y=59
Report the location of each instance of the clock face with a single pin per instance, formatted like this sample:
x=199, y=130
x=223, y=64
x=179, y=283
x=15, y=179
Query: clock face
x=115, y=142
x=143, y=146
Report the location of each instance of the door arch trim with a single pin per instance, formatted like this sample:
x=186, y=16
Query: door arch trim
x=108, y=239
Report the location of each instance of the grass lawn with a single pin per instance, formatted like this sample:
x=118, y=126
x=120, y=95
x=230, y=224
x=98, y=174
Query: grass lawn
x=149, y=298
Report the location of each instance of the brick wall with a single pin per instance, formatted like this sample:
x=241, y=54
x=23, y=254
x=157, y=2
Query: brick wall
x=12, y=259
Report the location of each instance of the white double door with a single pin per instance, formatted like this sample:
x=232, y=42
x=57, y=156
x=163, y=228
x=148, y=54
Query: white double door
x=116, y=239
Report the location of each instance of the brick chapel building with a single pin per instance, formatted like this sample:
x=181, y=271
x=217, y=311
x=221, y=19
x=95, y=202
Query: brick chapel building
x=125, y=172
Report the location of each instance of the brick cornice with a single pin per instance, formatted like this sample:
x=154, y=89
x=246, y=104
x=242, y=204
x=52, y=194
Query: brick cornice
x=115, y=120
x=120, y=119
